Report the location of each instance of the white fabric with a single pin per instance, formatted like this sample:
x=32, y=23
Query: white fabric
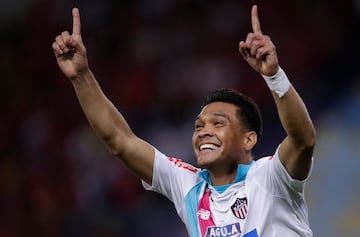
x=276, y=206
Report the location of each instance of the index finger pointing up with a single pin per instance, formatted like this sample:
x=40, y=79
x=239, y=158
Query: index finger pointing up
x=76, y=22
x=255, y=20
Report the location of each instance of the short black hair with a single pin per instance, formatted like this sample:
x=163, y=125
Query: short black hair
x=248, y=113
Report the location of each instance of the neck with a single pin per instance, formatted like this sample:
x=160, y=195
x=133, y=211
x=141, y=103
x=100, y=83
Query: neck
x=219, y=179
x=223, y=176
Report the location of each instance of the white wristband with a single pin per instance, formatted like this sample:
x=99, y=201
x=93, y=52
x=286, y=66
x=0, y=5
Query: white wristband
x=279, y=83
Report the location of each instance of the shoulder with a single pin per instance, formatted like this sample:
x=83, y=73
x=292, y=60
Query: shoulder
x=269, y=173
x=183, y=165
x=172, y=175
x=168, y=165
x=261, y=163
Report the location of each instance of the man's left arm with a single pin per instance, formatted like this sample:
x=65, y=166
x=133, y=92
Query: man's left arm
x=296, y=150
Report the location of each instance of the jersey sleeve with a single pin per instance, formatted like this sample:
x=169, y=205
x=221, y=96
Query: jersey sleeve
x=272, y=175
x=172, y=178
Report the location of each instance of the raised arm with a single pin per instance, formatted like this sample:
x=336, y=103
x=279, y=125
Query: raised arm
x=296, y=150
x=104, y=118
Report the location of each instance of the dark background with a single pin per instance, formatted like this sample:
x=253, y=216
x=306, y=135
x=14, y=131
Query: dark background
x=156, y=60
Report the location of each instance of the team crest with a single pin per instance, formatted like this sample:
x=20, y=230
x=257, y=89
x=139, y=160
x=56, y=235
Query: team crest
x=239, y=208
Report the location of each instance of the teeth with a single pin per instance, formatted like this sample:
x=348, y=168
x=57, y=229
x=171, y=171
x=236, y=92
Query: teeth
x=208, y=146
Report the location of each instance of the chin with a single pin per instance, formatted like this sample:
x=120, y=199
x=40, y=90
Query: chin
x=201, y=164
x=204, y=162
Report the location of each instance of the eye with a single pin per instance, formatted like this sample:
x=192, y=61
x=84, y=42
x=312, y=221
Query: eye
x=218, y=123
x=198, y=126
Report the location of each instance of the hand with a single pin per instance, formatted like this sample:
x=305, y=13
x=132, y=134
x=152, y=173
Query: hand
x=258, y=50
x=70, y=51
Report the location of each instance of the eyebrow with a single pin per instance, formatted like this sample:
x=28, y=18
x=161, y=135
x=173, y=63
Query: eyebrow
x=216, y=114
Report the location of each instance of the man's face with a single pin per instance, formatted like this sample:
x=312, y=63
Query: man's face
x=219, y=136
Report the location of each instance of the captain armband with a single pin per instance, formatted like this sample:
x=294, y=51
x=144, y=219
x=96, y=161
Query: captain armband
x=279, y=83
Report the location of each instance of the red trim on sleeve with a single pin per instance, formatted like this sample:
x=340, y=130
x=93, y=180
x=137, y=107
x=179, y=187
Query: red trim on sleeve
x=181, y=164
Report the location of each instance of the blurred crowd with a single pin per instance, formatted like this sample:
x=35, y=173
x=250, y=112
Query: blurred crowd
x=155, y=60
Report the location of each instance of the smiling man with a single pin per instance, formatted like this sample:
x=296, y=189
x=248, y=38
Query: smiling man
x=226, y=131
x=232, y=195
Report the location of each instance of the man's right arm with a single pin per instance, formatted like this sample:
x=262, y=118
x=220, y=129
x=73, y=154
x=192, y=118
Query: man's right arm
x=102, y=115
x=112, y=128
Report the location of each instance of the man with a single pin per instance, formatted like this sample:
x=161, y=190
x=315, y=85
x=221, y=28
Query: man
x=233, y=195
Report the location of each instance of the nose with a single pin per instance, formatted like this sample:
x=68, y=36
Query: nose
x=205, y=133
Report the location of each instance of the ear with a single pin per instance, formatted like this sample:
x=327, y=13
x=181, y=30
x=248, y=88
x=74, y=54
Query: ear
x=250, y=140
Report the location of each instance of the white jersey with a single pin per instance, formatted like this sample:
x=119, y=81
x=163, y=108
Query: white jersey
x=263, y=200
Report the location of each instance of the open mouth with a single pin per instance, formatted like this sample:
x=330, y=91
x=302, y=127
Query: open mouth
x=208, y=146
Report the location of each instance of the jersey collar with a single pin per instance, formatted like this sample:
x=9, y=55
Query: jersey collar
x=240, y=176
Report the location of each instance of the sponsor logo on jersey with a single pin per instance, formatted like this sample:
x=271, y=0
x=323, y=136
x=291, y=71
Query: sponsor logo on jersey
x=181, y=164
x=232, y=230
x=204, y=214
x=239, y=208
